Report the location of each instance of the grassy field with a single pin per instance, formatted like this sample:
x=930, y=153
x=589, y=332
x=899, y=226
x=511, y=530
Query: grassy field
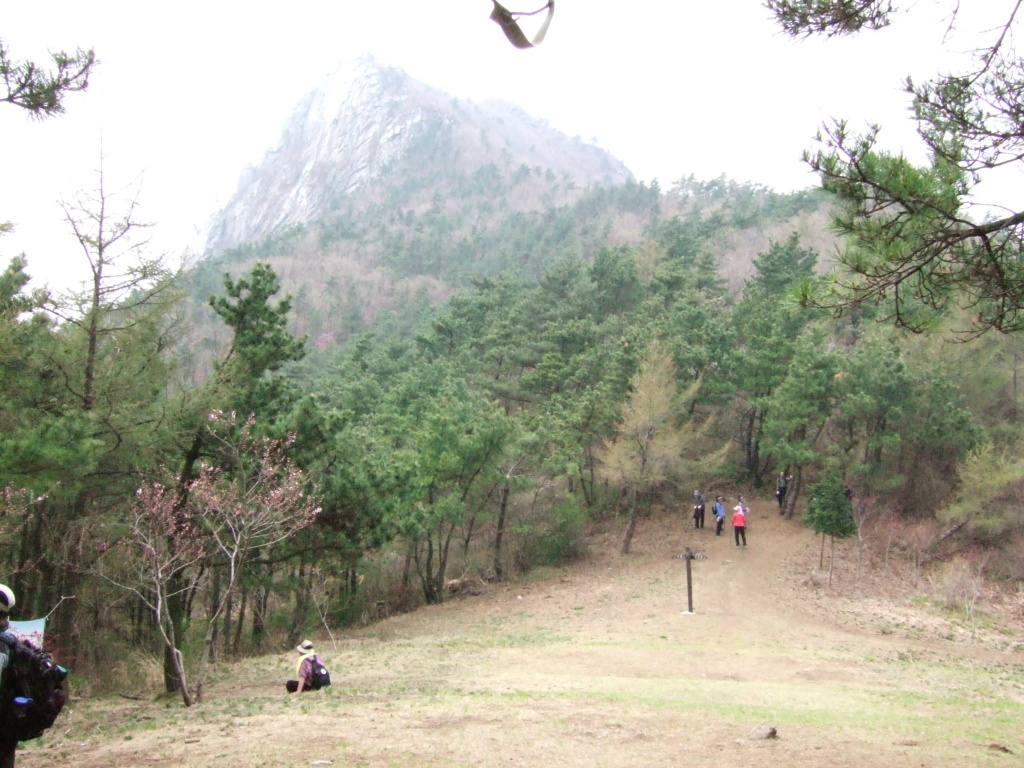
x=600, y=664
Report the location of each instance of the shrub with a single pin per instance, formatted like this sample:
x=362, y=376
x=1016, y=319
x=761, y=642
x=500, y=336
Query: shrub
x=558, y=542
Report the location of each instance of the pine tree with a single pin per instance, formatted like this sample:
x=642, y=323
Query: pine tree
x=829, y=512
x=914, y=242
x=25, y=84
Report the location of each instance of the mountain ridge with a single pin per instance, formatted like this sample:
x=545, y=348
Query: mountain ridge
x=361, y=123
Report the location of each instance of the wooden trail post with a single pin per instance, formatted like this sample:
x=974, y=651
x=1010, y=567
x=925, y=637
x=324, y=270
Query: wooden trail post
x=689, y=555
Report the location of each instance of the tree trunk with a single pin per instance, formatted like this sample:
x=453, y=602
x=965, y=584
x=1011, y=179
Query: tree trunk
x=831, y=559
x=425, y=568
x=259, y=616
x=176, y=617
x=794, y=491
x=443, y=549
x=301, y=611
x=171, y=641
x=634, y=513
x=749, y=456
x=467, y=537
x=214, y=602
x=407, y=565
x=588, y=476
x=502, y=511
x=229, y=608
x=176, y=607
x=179, y=676
x=433, y=568
x=30, y=581
x=236, y=645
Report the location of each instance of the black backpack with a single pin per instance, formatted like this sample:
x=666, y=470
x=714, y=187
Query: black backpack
x=321, y=677
x=33, y=690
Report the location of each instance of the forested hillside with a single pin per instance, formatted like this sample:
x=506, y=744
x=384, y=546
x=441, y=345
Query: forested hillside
x=444, y=376
x=391, y=254
x=469, y=439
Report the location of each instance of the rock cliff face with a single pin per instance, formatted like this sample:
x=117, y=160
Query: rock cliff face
x=359, y=128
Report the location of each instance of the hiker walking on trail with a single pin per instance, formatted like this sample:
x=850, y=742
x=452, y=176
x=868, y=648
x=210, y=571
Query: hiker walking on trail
x=310, y=670
x=739, y=522
x=781, y=486
x=7, y=742
x=719, y=510
x=698, y=509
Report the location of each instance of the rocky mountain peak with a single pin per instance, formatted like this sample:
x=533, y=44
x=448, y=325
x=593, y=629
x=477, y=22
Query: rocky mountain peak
x=359, y=126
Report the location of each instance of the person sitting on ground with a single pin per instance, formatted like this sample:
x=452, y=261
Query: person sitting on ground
x=304, y=668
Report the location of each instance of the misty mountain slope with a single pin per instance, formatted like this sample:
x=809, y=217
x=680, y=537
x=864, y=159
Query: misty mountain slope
x=367, y=123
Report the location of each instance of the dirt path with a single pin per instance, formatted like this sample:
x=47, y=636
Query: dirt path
x=601, y=665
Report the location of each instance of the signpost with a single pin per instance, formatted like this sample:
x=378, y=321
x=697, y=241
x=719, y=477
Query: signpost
x=689, y=555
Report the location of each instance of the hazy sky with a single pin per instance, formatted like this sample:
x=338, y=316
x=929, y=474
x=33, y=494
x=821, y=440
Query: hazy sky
x=189, y=93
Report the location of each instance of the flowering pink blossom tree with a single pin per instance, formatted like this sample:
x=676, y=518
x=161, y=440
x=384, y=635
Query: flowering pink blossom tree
x=254, y=497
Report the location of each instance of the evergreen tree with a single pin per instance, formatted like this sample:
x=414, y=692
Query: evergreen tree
x=780, y=267
x=42, y=93
x=755, y=366
x=447, y=441
x=768, y=324
x=687, y=260
x=829, y=512
x=799, y=409
x=109, y=357
x=43, y=441
x=913, y=241
x=261, y=342
x=874, y=391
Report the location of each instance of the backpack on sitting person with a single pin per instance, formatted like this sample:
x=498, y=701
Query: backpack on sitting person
x=321, y=677
x=34, y=690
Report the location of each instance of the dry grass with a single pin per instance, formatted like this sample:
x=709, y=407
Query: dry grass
x=599, y=665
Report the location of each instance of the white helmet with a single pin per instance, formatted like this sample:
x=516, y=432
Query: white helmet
x=6, y=599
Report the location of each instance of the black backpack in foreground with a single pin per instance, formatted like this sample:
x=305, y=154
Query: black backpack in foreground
x=33, y=690
x=321, y=677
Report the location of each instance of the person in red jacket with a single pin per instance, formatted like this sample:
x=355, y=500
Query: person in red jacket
x=739, y=522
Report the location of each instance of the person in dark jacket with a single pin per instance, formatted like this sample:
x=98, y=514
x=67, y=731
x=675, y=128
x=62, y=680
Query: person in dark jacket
x=698, y=509
x=7, y=744
x=781, y=486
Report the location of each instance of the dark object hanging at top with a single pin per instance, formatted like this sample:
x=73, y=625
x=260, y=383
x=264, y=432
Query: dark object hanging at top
x=507, y=20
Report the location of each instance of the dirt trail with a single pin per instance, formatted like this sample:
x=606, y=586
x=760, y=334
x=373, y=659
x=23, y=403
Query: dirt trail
x=600, y=664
